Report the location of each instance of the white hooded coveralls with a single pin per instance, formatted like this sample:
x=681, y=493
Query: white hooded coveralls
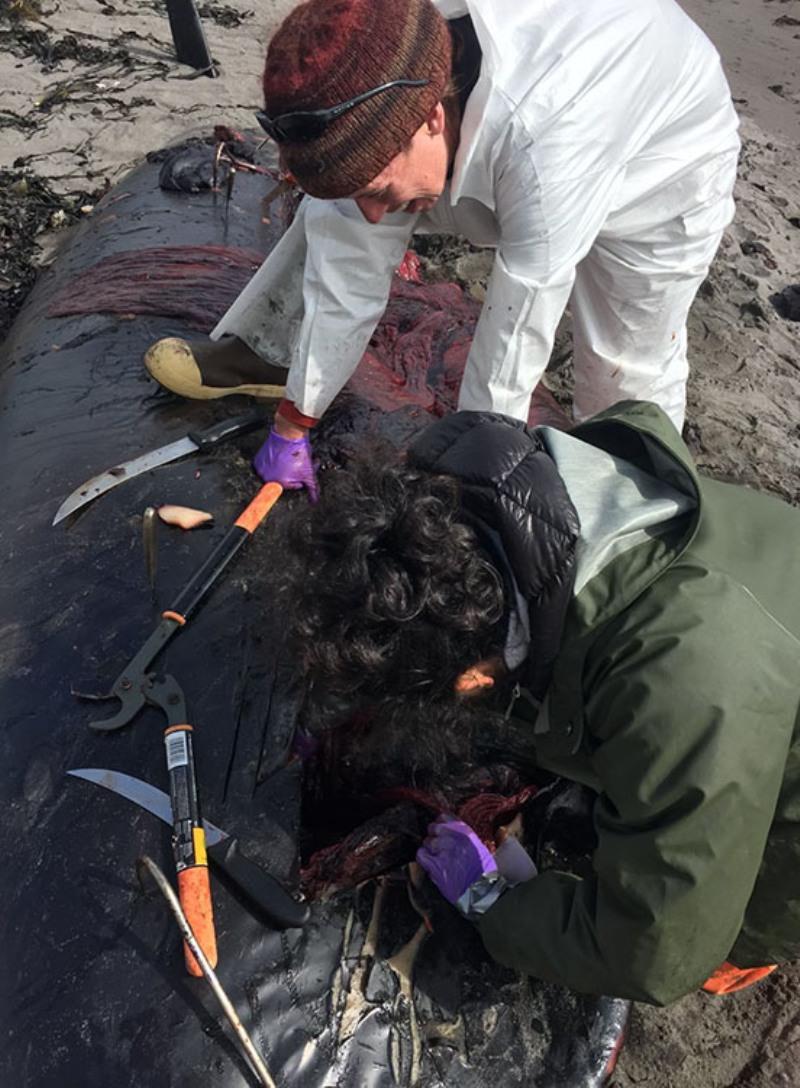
x=597, y=153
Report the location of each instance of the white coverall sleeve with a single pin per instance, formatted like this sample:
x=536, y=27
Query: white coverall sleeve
x=315, y=301
x=347, y=277
x=550, y=207
x=267, y=314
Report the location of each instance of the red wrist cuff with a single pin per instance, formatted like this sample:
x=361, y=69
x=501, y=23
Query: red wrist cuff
x=291, y=415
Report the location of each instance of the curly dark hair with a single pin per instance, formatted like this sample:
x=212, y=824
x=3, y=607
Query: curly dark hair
x=396, y=597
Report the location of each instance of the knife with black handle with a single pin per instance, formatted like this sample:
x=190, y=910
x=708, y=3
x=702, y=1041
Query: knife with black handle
x=259, y=887
x=204, y=440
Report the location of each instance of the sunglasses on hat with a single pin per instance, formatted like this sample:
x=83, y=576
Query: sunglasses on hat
x=307, y=125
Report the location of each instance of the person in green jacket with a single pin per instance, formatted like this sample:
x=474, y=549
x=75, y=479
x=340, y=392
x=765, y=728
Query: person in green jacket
x=640, y=626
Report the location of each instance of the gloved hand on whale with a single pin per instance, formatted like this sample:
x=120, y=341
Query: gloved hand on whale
x=218, y=368
x=286, y=458
x=466, y=871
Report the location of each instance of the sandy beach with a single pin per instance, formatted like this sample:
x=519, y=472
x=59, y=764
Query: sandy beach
x=91, y=85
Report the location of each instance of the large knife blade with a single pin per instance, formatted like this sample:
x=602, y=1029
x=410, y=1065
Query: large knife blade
x=262, y=889
x=190, y=443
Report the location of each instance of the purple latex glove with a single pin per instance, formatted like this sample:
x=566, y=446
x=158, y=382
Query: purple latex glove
x=454, y=857
x=304, y=745
x=287, y=461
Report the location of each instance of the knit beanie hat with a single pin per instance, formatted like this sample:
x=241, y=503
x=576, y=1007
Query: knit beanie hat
x=328, y=51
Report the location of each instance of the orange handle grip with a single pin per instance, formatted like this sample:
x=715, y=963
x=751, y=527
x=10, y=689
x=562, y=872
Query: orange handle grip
x=194, y=892
x=255, y=512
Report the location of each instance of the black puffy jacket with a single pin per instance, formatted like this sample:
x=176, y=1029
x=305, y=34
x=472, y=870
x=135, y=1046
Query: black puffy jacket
x=518, y=504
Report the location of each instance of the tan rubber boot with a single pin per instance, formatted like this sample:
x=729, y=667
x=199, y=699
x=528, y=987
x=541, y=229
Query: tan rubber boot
x=207, y=369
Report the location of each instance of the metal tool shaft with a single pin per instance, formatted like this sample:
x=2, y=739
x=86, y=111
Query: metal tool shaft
x=129, y=685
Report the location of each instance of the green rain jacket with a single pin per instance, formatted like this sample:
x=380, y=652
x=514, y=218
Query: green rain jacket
x=675, y=696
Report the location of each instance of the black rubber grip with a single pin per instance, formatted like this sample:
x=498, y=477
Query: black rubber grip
x=228, y=428
x=259, y=887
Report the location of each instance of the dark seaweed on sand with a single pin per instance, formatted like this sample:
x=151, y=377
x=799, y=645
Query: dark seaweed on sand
x=27, y=206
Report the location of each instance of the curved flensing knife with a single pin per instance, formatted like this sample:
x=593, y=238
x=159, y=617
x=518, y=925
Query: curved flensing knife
x=261, y=888
x=190, y=443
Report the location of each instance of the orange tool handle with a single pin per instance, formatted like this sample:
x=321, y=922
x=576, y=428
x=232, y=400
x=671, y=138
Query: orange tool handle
x=255, y=512
x=194, y=892
x=189, y=841
x=203, y=578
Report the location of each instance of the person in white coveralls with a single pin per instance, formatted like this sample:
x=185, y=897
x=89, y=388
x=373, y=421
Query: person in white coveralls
x=593, y=143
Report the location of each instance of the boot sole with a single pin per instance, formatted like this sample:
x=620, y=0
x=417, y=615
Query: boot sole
x=180, y=379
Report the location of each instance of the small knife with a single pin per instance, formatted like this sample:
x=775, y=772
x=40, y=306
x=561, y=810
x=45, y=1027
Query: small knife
x=193, y=441
x=262, y=889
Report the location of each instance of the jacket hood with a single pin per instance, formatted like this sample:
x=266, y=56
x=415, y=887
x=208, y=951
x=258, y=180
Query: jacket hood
x=517, y=503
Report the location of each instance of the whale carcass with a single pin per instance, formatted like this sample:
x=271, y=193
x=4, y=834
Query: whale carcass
x=93, y=986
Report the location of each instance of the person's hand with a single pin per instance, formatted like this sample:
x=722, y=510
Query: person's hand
x=287, y=461
x=454, y=857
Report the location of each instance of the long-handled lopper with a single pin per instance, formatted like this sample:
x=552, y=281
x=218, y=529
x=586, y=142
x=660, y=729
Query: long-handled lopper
x=188, y=599
x=188, y=833
x=138, y=685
